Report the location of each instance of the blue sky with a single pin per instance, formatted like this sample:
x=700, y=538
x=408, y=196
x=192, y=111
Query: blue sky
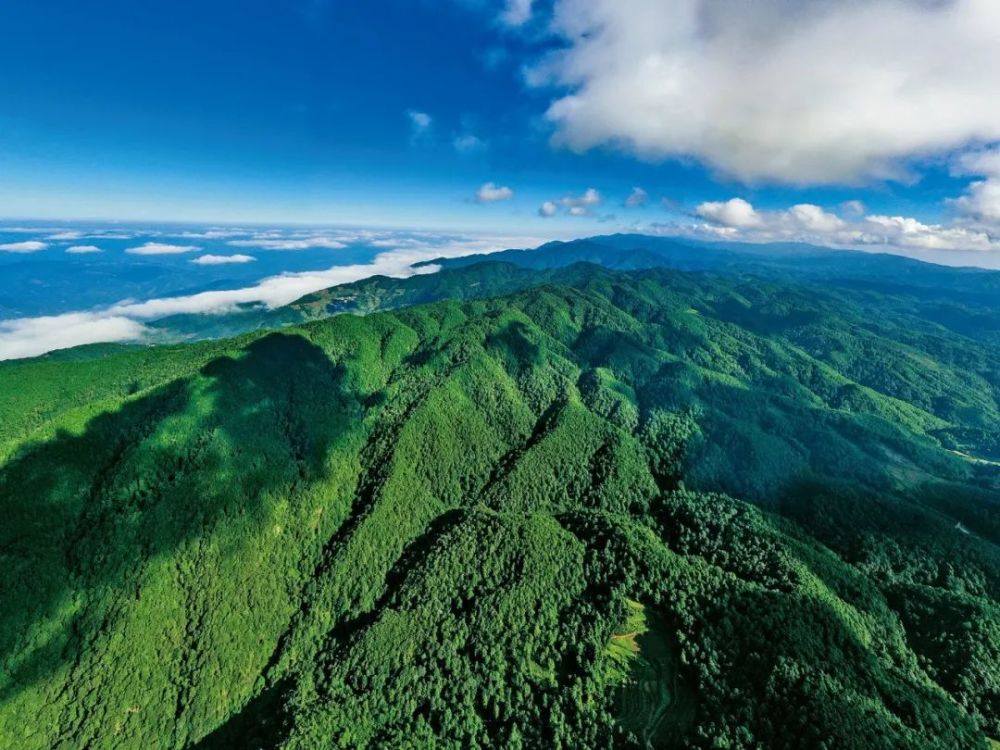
x=291, y=111
x=302, y=111
x=218, y=153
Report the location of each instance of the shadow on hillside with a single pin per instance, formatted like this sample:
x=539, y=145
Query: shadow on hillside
x=261, y=723
x=84, y=514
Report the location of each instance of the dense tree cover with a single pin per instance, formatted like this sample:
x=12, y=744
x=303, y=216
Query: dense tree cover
x=614, y=510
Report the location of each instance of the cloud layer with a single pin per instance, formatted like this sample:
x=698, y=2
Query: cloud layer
x=28, y=337
x=795, y=91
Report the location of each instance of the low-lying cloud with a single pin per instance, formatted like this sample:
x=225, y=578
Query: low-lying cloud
x=307, y=243
x=160, y=248
x=28, y=337
x=29, y=246
x=222, y=260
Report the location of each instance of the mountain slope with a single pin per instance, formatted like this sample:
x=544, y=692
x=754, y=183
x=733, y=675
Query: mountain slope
x=479, y=523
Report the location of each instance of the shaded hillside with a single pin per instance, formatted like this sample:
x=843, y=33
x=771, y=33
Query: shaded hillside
x=611, y=509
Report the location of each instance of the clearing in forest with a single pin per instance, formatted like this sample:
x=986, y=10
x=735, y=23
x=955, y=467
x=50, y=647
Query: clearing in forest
x=651, y=700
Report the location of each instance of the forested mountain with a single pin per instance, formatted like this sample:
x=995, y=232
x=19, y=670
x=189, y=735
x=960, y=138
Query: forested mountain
x=966, y=298
x=562, y=506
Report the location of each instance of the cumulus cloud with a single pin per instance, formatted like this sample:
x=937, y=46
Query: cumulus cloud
x=638, y=197
x=732, y=213
x=589, y=199
x=160, y=248
x=796, y=91
x=222, y=260
x=981, y=201
x=68, y=235
x=548, y=209
x=737, y=219
x=305, y=243
x=572, y=205
x=29, y=246
x=83, y=249
x=29, y=337
x=908, y=232
x=815, y=219
x=491, y=193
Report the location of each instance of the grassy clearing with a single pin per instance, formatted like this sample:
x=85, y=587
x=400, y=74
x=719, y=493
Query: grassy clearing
x=651, y=702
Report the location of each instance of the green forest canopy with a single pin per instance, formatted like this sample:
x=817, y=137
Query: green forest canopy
x=609, y=508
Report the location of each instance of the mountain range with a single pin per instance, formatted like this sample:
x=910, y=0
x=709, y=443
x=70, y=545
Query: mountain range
x=619, y=492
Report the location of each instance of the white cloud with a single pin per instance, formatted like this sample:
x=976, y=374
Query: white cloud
x=735, y=212
x=638, y=197
x=815, y=219
x=306, y=243
x=517, y=12
x=213, y=234
x=69, y=235
x=981, y=201
x=83, y=249
x=589, y=199
x=160, y=248
x=29, y=337
x=222, y=260
x=853, y=208
x=907, y=232
x=468, y=143
x=491, y=193
x=737, y=219
x=798, y=91
x=572, y=205
x=30, y=246
x=420, y=120
x=288, y=287
x=548, y=209
x=420, y=124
